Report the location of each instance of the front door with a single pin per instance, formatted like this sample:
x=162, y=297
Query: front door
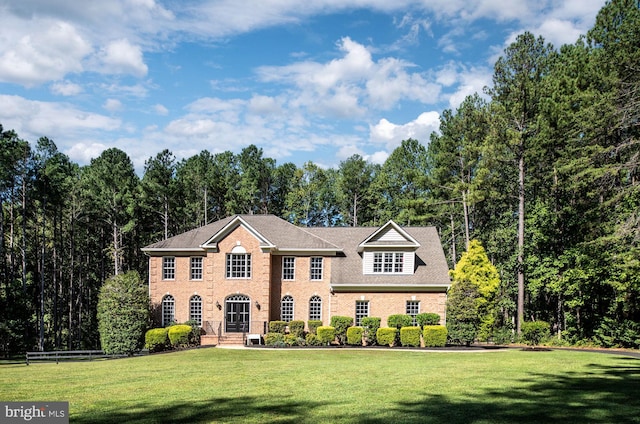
x=237, y=314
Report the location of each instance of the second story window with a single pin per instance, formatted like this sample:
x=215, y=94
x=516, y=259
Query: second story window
x=168, y=268
x=316, y=268
x=238, y=265
x=196, y=268
x=288, y=268
x=388, y=263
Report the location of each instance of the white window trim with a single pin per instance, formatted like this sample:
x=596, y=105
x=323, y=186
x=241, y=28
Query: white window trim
x=320, y=268
x=284, y=258
x=165, y=267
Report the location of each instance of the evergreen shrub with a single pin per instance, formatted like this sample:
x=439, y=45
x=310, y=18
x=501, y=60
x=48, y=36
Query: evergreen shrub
x=293, y=340
x=313, y=325
x=534, y=332
x=386, y=336
x=296, y=328
x=156, y=339
x=434, y=335
x=326, y=334
x=370, y=326
x=179, y=335
x=312, y=340
x=277, y=327
x=399, y=320
x=354, y=336
x=427, y=318
x=410, y=336
x=341, y=324
x=274, y=339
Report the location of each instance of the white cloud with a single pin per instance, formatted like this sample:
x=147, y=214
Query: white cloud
x=161, y=109
x=43, y=50
x=85, y=151
x=392, y=134
x=112, y=105
x=65, y=88
x=121, y=57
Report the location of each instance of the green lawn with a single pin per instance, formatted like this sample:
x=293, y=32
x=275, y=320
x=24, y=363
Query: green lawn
x=349, y=386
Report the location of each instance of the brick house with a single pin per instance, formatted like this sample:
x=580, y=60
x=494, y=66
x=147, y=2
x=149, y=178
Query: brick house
x=235, y=275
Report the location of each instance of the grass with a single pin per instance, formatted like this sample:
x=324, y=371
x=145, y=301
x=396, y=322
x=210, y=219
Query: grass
x=348, y=386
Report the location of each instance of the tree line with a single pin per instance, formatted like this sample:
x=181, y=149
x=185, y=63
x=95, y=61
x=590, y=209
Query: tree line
x=542, y=170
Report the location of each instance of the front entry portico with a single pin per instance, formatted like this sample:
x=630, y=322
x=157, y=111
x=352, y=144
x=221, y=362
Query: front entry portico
x=237, y=314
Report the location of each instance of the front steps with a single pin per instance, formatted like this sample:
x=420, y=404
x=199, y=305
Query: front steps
x=230, y=339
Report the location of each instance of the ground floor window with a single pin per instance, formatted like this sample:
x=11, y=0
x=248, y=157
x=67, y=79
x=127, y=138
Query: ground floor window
x=362, y=310
x=168, y=310
x=315, y=308
x=286, y=309
x=413, y=309
x=195, y=310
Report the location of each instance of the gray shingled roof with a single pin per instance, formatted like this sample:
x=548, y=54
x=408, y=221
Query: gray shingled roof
x=346, y=270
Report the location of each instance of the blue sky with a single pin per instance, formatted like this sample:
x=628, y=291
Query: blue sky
x=304, y=80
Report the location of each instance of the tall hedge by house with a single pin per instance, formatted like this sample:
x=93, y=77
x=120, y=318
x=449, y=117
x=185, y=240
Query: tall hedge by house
x=434, y=335
x=340, y=324
x=399, y=320
x=277, y=326
x=354, y=336
x=326, y=334
x=370, y=326
x=296, y=328
x=123, y=314
x=179, y=335
x=410, y=336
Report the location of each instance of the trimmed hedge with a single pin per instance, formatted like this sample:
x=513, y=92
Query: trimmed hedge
x=399, y=320
x=341, y=324
x=313, y=325
x=312, y=340
x=534, y=332
x=179, y=335
x=370, y=326
x=296, y=328
x=156, y=339
x=326, y=334
x=427, y=318
x=277, y=327
x=274, y=339
x=434, y=335
x=410, y=336
x=354, y=336
x=386, y=336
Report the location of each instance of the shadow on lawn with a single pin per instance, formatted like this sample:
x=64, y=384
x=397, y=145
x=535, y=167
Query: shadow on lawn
x=608, y=394
x=214, y=410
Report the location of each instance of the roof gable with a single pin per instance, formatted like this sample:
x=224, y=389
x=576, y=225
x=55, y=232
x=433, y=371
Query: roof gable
x=390, y=235
x=237, y=221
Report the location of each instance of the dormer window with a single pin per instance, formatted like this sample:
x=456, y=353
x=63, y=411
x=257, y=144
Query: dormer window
x=388, y=263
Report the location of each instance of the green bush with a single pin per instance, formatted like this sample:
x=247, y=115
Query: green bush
x=434, y=335
x=156, y=339
x=399, y=320
x=370, y=326
x=123, y=314
x=179, y=335
x=354, y=336
x=618, y=333
x=277, y=327
x=313, y=325
x=312, y=340
x=462, y=333
x=293, y=340
x=326, y=334
x=386, y=336
x=534, y=332
x=502, y=336
x=274, y=339
x=410, y=336
x=427, y=318
x=296, y=328
x=196, y=331
x=341, y=324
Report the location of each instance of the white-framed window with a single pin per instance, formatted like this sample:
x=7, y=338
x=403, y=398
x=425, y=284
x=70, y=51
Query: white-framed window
x=413, y=309
x=195, y=309
x=286, y=308
x=288, y=268
x=388, y=263
x=315, y=308
x=168, y=268
x=168, y=310
x=362, y=310
x=316, y=268
x=195, y=272
x=238, y=265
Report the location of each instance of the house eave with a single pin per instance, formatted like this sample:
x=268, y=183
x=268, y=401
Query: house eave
x=388, y=288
